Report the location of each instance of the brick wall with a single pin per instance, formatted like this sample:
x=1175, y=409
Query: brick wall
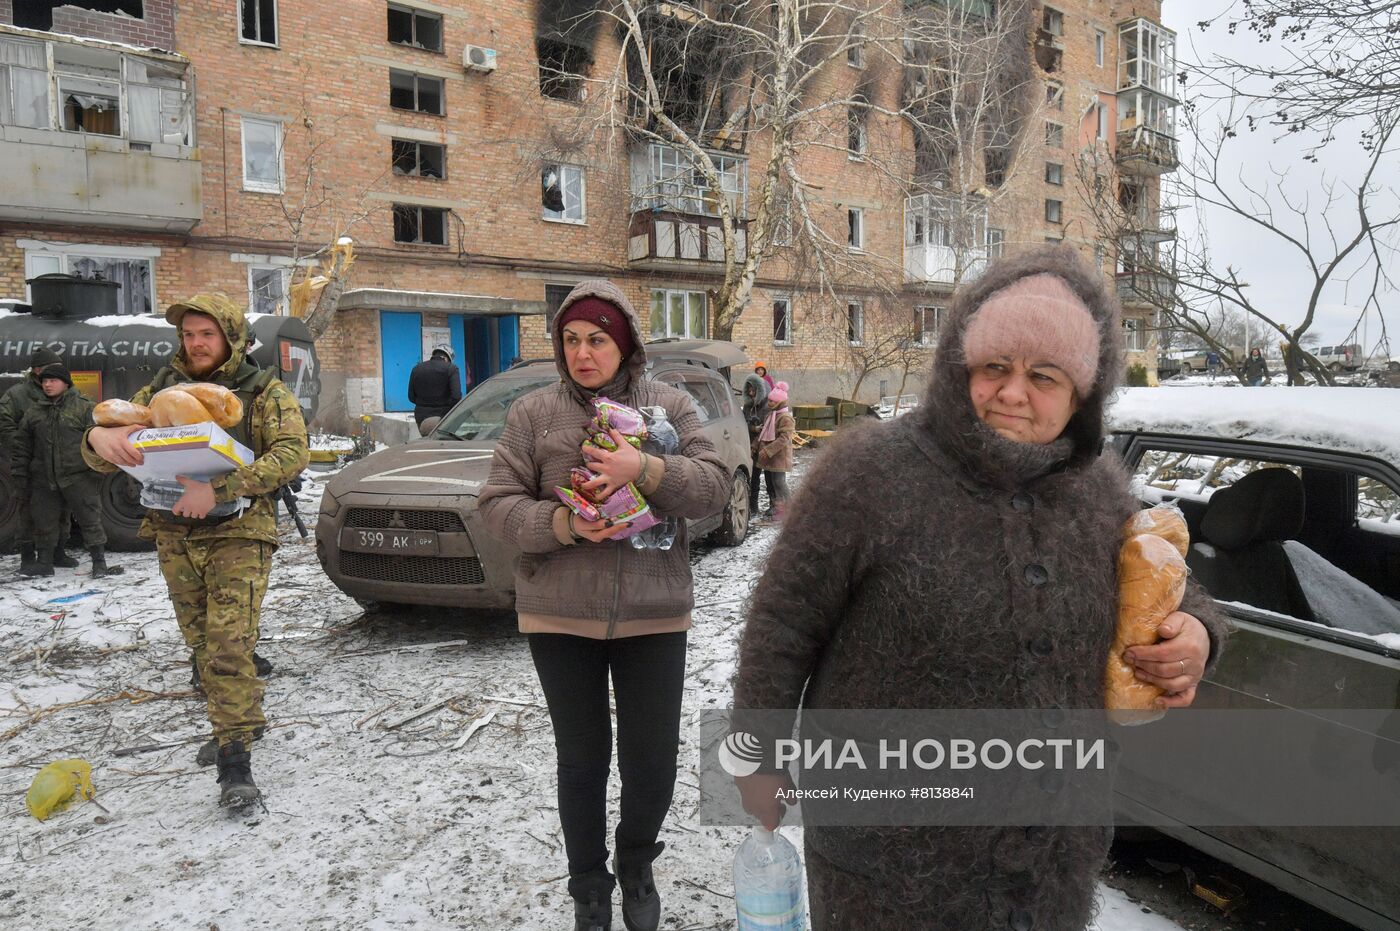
x=155, y=28
x=7, y=11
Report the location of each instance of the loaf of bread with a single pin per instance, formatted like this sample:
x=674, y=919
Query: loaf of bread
x=1151, y=581
x=119, y=413
x=1164, y=521
x=222, y=404
x=175, y=408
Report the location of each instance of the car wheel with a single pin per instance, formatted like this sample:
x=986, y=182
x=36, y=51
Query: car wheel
x=122, y=512
x=9, y=511
x=1334, y=367
x=734, y=526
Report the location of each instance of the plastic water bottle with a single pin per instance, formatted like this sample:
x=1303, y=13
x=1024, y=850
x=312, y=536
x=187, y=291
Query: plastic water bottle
x=768, y=884
x=662, y=440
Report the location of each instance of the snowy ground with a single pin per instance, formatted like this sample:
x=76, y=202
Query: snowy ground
x=424, y=825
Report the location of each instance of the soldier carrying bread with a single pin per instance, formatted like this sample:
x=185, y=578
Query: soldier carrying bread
x=216, y=567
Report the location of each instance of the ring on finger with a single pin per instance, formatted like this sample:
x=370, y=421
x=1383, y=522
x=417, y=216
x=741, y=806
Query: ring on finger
x=1183, y=667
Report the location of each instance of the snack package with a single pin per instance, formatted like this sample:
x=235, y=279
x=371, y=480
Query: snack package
x=623, y=506
x=609, y=415
x=1151, y=581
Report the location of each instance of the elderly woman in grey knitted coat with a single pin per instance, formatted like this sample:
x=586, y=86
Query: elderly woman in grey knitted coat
x=964, y=557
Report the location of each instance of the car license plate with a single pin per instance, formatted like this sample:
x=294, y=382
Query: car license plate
x=405, y=542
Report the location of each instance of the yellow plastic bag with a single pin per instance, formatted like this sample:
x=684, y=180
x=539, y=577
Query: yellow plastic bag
x=55, y=786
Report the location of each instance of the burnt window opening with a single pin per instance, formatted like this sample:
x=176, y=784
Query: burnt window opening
x=998, y=161
x=690, y=68
x=418, y=28
x=418, y=159
x=38, y=14
x=409, y=91
x=563, y=68
x=554, y=295
x=857, y=128
x=420, y=225
x=258, y=21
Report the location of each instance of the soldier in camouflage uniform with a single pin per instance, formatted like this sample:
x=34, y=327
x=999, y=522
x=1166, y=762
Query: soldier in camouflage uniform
x=18, y=399
x=217, y=568
x=45, y=457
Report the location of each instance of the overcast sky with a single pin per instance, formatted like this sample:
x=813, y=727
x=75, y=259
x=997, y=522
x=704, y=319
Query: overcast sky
x=1271, y=266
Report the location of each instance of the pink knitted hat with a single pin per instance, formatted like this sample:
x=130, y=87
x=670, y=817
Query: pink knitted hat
x=779, y=394
x=1040, y=319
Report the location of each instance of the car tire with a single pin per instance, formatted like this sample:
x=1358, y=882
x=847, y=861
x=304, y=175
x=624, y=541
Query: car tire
x=122, y=513
x=9, y=511
x=386, y=607
x=734, y=525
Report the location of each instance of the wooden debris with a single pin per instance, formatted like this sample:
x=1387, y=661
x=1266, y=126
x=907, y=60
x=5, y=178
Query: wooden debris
x=422, y=712
x=475, y=726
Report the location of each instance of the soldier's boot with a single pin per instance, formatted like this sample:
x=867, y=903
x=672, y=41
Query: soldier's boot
x=99, y=563
x=208, y=753
x=641, y=904
x=236, y=776
x=42, y=565
x=62, y=560
x=26, y=556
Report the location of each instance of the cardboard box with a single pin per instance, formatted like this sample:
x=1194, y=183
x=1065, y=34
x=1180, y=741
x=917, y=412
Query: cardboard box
x=201, y=451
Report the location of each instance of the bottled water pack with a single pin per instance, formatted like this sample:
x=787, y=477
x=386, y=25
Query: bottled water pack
x=662, y=440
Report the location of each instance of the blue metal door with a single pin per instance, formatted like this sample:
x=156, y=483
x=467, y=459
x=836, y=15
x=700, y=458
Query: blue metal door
x=459, y=349
x=509, y=340
x=400, y=348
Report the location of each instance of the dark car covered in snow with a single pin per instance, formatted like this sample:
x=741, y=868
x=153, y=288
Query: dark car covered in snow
x=401, y=526
x=1292, y=496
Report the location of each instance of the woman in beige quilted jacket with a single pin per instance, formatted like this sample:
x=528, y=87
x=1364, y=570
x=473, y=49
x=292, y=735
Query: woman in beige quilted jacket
x=595, y=607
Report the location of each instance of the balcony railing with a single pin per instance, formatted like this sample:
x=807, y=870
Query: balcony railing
x=943, y=264
x=1146, y=151
x=663, y=237
x=1145, y=287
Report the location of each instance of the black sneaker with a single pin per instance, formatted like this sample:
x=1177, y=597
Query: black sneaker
x=641, y=904
x=591, y=914
x=236, y=776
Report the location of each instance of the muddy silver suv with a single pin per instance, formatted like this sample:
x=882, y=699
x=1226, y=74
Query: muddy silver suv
x=401, y=526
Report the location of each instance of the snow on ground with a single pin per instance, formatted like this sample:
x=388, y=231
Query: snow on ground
x=368, y=824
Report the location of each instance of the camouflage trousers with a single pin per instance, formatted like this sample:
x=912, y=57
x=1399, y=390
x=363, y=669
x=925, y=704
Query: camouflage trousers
x=51, y=512
x=217, y=586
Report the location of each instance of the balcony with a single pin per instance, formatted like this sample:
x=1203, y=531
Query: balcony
x=1143, y=287
x=663, y=239
x=935, y=225
x=102, y=133
x=1144, y=151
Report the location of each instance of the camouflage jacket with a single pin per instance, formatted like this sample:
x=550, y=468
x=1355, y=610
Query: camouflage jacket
x=47, y=444
x=18, y=399
x=272, y=427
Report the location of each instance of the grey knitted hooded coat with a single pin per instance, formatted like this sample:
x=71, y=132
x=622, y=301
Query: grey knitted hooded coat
x=930, y=563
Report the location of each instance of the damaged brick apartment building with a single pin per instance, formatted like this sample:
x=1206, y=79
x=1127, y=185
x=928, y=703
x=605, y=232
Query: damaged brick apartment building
x=484, y=157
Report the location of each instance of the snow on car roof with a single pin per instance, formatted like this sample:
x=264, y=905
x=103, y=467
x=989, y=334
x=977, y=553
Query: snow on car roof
x=1358, y=420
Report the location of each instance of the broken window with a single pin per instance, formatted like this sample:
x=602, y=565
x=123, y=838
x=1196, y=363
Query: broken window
x=419, y=159
x=782, y=321
x=267, y=289
x=38, y=14
x=563, y=68
x=928, y=320
x=855, y=228
x=419, y=28
x=561, y=192
x=420, y=225
x=1054, y=95
x=409, y=91
x=157, y=102
x=998, y=161
x=855, y=52
x=24, y=84
x=1055, y=135
x=258, y=21
x=855, y=323
x=1053, y=21
x=262, y=155
x=857, y=133
x=996, y=239
x=663, y=177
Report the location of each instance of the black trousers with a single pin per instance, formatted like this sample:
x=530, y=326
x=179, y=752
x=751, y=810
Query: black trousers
x=648, y=675
x=777, y=487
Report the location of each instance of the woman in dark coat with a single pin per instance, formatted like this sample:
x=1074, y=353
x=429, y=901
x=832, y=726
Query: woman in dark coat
x=964, y=557
x=1256, y=368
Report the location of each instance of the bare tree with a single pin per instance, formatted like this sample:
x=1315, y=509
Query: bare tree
x=1340, y=62
x=724, y=110
x=1194, y=295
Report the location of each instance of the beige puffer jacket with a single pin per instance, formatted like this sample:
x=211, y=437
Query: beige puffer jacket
x=596, y=589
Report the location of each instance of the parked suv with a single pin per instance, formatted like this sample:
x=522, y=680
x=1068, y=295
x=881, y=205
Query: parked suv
x=401, y=526
x=1294, y=513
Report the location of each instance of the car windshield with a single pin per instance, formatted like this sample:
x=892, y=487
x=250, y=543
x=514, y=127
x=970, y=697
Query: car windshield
x=481, y=415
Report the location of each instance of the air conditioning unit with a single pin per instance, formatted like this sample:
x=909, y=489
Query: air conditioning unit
x=476, y=58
